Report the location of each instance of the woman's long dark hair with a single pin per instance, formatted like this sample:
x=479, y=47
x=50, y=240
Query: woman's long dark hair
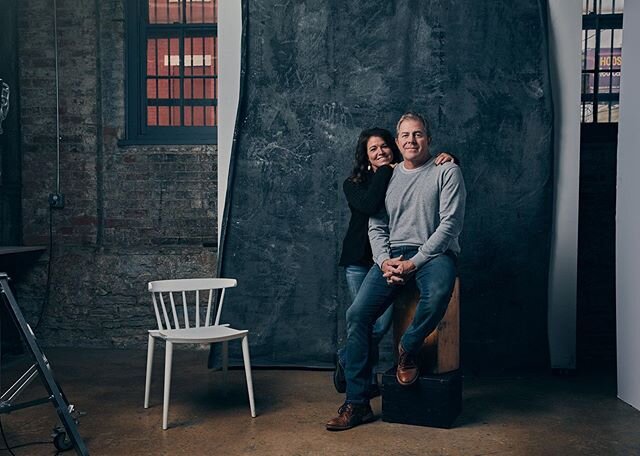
x=361, y=171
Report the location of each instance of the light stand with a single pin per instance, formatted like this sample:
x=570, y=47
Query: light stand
x=42, y=367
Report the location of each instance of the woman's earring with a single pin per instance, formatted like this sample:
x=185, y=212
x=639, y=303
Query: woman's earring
x=369, y=167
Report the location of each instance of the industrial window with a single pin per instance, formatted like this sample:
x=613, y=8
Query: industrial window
x=172, y=71
x=601, y=60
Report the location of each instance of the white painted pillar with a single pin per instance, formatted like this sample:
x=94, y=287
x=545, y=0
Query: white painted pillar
x=628, y=213
x=229, y=48
x=565, y=28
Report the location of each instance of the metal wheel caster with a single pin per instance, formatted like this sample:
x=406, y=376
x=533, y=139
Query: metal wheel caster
x=61, y=441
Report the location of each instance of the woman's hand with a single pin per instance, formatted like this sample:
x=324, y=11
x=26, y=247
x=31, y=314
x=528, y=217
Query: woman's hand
x=443, y=157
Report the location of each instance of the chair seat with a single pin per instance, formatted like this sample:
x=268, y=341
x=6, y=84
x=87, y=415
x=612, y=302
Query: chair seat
x=197, y=335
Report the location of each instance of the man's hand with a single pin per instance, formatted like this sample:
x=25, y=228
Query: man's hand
x=396, y=270
x=390, y=265
x=391, y=270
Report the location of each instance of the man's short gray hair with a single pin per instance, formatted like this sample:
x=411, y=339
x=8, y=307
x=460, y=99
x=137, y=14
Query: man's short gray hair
x=410, y=115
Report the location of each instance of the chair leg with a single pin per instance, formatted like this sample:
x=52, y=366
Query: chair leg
x=168, y=358
x=225, y=355
x=247, y=371
x=147, y=383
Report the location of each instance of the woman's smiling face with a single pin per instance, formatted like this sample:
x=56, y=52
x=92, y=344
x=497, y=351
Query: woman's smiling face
x=379, y=152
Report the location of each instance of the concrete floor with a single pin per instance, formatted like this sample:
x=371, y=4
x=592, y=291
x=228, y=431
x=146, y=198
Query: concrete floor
x=509, y=415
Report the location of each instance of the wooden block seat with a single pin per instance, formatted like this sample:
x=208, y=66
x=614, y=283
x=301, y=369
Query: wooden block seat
x=436, y=398
x=440, y=352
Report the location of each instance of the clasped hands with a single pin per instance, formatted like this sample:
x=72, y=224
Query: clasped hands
x=397, y=271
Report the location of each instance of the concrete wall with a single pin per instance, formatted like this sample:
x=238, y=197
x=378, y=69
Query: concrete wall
x=628, y=216
x=564, y=30
x=132, y=214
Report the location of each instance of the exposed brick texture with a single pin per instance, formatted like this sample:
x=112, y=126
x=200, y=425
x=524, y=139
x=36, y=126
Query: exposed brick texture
x=132, y=214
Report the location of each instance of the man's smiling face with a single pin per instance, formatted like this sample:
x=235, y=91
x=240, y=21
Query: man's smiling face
x=413, y=143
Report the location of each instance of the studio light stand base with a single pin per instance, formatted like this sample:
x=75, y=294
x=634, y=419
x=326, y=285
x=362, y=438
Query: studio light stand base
x=66, y=436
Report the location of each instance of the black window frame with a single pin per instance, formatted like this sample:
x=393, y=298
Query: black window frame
x=598, y=22
x=137, y=30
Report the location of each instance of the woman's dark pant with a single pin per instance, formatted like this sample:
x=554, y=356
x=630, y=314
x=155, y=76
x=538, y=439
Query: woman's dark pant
x=355, y=275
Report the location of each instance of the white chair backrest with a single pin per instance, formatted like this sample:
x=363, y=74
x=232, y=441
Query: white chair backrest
x=177, y=302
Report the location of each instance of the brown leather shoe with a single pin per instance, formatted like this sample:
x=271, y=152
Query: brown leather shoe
x=349, y=416
x=407, y=371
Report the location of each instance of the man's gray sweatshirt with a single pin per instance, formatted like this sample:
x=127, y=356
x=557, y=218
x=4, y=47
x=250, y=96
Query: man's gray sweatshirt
x=424, y=207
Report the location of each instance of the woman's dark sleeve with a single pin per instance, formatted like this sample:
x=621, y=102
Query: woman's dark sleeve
x=369, y=200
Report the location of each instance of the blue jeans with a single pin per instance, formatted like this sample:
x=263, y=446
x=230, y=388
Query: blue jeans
x=435, y=281
x=355, y=275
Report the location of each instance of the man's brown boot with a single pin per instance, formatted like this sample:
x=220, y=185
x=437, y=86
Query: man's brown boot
x=407, y=371
x=351, y=415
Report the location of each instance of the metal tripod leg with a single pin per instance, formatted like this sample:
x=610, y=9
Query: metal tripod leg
x=19, y=385
x=42, y=366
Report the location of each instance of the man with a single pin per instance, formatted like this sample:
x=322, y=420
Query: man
x=414, y=238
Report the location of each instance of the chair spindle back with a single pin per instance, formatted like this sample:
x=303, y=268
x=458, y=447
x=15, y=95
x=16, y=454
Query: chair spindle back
x=166, y=294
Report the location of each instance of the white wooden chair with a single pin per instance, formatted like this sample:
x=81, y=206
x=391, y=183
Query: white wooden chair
x=180, y=318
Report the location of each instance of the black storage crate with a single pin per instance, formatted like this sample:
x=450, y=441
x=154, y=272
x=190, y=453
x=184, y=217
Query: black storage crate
x=433, y=400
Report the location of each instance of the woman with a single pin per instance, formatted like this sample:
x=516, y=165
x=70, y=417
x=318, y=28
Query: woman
x=365, y=189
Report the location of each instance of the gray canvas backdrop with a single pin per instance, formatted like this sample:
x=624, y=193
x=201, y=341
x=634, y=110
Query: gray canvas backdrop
x=315, y=73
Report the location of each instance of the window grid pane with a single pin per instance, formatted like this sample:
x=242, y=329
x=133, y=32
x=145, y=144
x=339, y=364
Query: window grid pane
x=165, y=11
x=587, y=112
x=605, y=49
x=181, y=69
x=603, y=112
x=587, y=82
x=201, y=12
x=606, y=7
x=615, y=111
x=590, y=48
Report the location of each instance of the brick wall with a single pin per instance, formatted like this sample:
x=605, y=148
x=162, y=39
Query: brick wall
x=132, y=214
